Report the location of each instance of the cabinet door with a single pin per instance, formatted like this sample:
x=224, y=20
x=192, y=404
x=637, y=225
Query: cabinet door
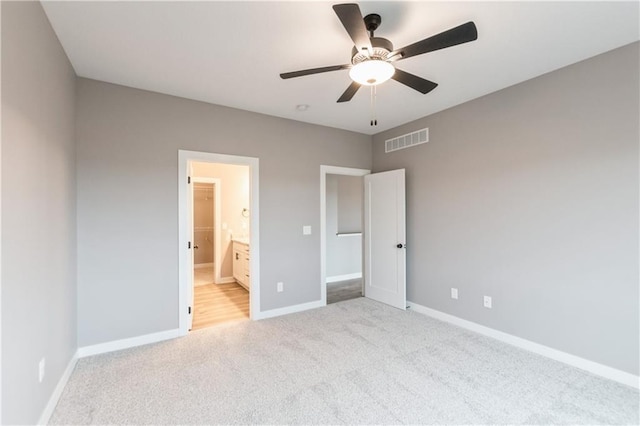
x=238, y=270
x=245, y=270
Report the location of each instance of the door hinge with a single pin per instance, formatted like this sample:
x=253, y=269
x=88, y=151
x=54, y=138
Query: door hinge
x=188, y=179
x=189, y=310
x=189, y=245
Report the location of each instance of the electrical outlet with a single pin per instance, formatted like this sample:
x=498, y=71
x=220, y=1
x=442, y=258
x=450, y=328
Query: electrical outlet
x=454, y=293
x=306, y=230
x=487, y=302
x=41, y=370
x=280, y=287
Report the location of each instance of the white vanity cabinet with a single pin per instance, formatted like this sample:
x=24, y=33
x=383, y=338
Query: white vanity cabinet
x=241, y=263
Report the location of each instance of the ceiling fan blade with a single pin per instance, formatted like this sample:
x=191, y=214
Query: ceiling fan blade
x=352, y=21
x=458, y=35
x=348, y=94
x=301, y=73
x=418, y=83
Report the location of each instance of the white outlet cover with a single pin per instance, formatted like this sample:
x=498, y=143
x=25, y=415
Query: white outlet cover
x=306, y=230
x=487, y=302
x=280, y=287
x=41, y=370
x=454, y=293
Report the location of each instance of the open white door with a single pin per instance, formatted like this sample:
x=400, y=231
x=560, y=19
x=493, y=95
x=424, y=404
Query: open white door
x=190, y=222
x=384, y=238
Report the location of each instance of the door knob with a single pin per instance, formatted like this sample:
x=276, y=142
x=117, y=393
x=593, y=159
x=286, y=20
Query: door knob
x=400, y=245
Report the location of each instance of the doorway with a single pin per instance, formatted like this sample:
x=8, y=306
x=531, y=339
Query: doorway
x=220, y=221
x=206, y=229
x=383, y=234
x=218, y=215
x=341, y=222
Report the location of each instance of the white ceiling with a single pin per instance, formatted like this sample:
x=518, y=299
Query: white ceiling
x=231, y=53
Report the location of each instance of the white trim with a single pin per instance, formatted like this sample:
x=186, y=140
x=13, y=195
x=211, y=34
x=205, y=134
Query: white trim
x=1, y=144
x=57, y=392
x=344, y=277
x=184, y=263
x=217, y=219
x=572, y=360
x=226, y=280
x=290, y=309
x=203, y=265
x=324, y=171
x=132, y=342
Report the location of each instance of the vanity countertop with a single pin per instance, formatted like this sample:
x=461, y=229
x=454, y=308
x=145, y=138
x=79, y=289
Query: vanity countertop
x=244, y=241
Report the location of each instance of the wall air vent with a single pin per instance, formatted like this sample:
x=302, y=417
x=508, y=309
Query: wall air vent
x=405, y=141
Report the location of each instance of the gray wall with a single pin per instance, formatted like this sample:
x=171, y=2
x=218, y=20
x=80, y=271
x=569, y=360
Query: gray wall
x=38, y=211
x=530, y=195
x=344, y=205
x=128, y=143
x=350, y=203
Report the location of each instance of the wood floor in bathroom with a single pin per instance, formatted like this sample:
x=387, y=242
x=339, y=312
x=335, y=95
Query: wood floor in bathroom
x=219, y=303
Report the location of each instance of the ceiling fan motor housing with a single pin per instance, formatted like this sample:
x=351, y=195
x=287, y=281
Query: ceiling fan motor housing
x=381, y=50
x=372, y=21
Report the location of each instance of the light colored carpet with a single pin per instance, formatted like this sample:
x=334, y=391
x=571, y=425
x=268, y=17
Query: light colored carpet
x=344, y=290
x=353, y=362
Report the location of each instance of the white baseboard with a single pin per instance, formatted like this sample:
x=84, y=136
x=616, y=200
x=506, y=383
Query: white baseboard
x=344, y=277
x=131, y=342
x=202, y=265
x=57, y=392
x=289, y=310
x=573, y=360
x=226, y=280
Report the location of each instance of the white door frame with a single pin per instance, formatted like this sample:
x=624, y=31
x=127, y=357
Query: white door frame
x=216, y=222
x=184, y=263
x=324, y=171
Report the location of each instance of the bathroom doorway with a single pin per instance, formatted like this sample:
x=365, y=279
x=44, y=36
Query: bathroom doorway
x=221, y=233
x=219, y=281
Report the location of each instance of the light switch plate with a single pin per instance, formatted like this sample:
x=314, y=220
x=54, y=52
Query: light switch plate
x=306, y=230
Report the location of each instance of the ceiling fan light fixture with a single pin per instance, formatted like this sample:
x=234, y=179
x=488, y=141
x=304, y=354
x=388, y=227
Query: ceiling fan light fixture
x=372, y=72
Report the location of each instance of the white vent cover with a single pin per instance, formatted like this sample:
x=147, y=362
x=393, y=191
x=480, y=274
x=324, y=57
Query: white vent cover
x=405, y=141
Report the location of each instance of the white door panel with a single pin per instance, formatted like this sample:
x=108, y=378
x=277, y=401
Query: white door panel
x=384, y=223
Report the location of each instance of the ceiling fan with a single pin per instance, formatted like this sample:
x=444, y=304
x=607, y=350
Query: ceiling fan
x=373, y=57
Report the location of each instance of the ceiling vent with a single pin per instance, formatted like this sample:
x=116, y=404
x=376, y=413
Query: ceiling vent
x=405, y=141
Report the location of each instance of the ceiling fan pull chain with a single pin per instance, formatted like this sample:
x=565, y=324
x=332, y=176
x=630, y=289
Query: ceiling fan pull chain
x=374, y=118
x=371, y=109
x=375, y=112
